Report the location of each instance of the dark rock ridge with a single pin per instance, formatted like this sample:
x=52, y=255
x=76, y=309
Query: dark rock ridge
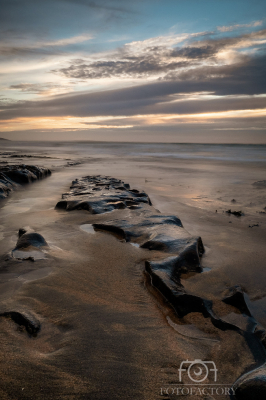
x=27, y=156
x=13, y=175
x=162, y=233
x=143, y=224
x=166, y=277
x=146, y=226
x=101, y=194
x=179, y=254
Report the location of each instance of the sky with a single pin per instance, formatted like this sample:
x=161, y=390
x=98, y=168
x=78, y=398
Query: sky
x=142, y=70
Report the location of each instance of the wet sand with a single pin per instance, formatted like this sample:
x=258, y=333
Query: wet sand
x=105, y=331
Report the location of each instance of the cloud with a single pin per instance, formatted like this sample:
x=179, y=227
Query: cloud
x=233, y=87
x=158, y=58
x=62, y=42
x=166, y=40
x=39, y=18
x=198, y=78
x=136, y=121
x=202, y=52
x=48, y=88
x=55, y=123
x=24, y=45
x=136, y=67
x=245, y=76
x=113, y=5
x=239, y=26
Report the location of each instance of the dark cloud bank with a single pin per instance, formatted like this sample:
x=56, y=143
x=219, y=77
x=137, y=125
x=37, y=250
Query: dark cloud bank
x=244, y=78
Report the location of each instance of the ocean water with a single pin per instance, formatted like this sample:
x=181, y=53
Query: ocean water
x=223, y=152
x=219, y=152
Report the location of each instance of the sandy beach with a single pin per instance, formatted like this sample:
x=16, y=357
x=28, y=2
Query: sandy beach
x=132, y=200
x=105, y=331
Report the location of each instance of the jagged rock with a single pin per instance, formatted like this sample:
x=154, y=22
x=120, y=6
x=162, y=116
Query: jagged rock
x=261, y=334
x=236, y=297
x=99, y=195
x=21, y=232
x=6, y=185
x=24, y=173
x=242, y=321
x=160, y=232
x=27, y=320
x=151, y=230
x=147, y=227
x=236, y=213
x=165, y=277
x=12, y=175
